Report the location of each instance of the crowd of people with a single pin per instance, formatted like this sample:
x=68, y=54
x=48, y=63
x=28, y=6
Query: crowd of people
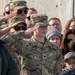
x=32, y=44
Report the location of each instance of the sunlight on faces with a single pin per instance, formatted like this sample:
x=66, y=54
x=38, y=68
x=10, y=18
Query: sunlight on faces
x=27, y=20
x=20, y=12
x=72, y=26
x=56, y=24
x=55, y=39
x=41, y=31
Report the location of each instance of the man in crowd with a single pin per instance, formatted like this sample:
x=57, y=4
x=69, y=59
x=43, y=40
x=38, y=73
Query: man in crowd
x=56, y=23
x=17, y=8
x=40, y=57
x=30, y=12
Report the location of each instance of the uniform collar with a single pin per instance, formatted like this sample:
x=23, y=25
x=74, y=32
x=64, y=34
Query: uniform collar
x=46, y=43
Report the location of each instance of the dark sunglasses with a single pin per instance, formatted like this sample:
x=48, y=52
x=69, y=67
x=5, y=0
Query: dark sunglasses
x=20, y=11
x=28, y=17
x=68, y=40
x=7, y=12
x=17, y=28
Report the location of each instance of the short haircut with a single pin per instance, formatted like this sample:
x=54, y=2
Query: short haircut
x=54, y=18
x=33, y=9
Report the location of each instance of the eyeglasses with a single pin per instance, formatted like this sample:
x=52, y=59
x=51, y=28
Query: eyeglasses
x=20, y=11
x=28, y=17
x=68, y=40
x=7, y=12
x=55, y=24
x=17, y=28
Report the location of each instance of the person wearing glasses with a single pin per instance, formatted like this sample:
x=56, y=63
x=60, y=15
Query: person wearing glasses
x=20, y=7
x=17, y=8
x=67, y=38
x=7, y=15
x=70, y=25
x=16, y=24
x=27, y=20
x=40, y=57
x=56, y=23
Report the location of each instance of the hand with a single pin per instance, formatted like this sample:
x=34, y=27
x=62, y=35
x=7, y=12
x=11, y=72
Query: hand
x=5, y=18
x=31, y=30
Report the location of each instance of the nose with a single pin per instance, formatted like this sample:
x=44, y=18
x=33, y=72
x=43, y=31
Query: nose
x=20, y=28
x=23, y=14
x=55, y=40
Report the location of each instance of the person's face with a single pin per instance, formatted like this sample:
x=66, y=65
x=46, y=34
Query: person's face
x=70, y=64
x=19, y=27
x=7, y=11
x=72, y=25
x=55, y=39
x=21, y=12
x=27, y=20
x=69, y=38
x=41, y=31
x=31, y=12
x=56, y=24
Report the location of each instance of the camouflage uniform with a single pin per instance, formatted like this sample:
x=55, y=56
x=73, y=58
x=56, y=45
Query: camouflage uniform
x=1, y=21
x=17, y=57
x=38, y=58
x=14, y=5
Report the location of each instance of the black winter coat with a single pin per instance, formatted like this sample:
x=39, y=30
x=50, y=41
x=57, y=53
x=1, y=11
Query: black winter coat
x=8, y=65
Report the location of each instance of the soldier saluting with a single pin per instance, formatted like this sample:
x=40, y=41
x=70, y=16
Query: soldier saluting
x=41, y=57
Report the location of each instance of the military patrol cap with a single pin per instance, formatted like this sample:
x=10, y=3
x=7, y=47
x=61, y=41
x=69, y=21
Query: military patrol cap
x=18, y=5
x=16, y=20
x=39, y=19
x=69, y=55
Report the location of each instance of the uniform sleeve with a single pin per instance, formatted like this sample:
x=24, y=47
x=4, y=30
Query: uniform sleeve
x=13, y=41
x=13, y=36
x=59, y=63
x=1, y=21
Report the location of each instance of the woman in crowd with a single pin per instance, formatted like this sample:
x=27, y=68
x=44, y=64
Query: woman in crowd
x=70, y=25
x=54, y=36
x=67, y=37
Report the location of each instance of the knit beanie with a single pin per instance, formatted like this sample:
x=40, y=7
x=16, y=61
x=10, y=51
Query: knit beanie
x=53, y=32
